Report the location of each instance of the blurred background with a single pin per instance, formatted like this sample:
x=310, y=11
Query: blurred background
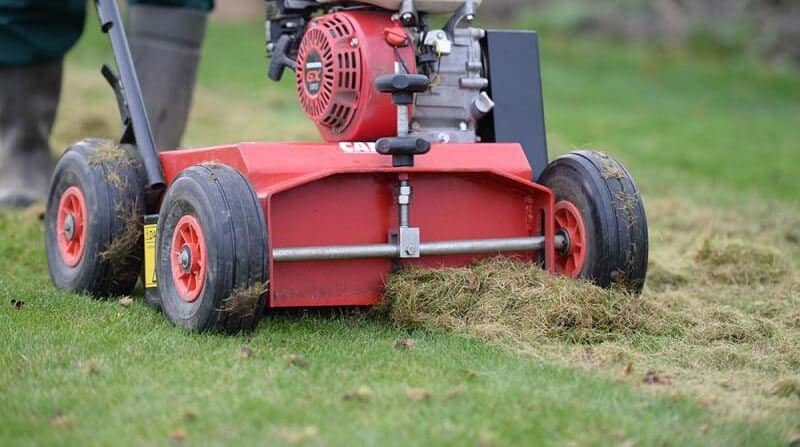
x=769, y=28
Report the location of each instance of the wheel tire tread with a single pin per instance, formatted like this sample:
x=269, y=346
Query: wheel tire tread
x=622, y=252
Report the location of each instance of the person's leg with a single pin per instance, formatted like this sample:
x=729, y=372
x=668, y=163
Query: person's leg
x=28, y=101
x=34, y=36
x=166, y=44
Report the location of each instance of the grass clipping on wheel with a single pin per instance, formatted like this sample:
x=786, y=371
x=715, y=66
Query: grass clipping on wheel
x=514, y=301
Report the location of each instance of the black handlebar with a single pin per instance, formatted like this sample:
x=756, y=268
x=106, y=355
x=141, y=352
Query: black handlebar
x=136, y=123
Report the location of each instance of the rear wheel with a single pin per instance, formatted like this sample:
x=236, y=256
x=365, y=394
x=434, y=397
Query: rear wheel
x=211, y=259
x=599, y=212
x=93, y=220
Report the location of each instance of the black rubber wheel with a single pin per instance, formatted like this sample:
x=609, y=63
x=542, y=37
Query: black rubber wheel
x=93, y=220
x=211, y=251
x=614, y=224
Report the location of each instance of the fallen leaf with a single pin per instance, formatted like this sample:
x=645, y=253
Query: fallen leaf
x=298, y=360
x=125, y=301
x=405, y=344
x=177, y=436
x=628, y=369
x=17, y=304
x=189, y=415
x=245, y=352
x=362, y=393
x=653, y=378
x=59, y=420
x=418, y=394
x=471, y=373
x=296, y=436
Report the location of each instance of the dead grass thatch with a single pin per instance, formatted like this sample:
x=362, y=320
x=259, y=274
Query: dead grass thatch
x=738, y=262
x=719, y=320
x=124, y=246
x=244, y=302
x=513, y=300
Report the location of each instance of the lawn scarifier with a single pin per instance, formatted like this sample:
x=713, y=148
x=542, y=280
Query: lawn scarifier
x=458, y=125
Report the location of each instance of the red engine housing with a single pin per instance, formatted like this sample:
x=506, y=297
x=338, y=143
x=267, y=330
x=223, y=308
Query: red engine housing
x=339, y=58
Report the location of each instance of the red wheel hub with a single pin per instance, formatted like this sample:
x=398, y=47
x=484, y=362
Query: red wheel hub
x=188, y=254
x=569, y=222
x=71, y=226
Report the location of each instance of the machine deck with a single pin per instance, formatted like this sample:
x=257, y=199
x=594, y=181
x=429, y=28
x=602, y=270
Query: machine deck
x=327, y=194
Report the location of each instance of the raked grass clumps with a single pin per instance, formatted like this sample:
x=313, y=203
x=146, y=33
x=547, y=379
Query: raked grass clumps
x=719, y=325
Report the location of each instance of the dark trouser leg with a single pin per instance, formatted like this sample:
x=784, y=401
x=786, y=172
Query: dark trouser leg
x=166, y=44
x=29, y=97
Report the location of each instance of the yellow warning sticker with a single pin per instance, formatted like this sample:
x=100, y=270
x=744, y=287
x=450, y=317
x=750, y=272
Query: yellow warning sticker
x=150, y=256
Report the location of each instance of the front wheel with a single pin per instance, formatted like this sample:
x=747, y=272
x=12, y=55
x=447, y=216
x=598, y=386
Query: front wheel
x=93, y=221
x=211, y=258
x=600, y=214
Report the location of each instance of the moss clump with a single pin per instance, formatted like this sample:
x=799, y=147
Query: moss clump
x=786, y=387
x=741, y=263
x=502, y=298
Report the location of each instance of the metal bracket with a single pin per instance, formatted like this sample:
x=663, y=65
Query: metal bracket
x=408, y=13
x=408, y=241
x=119, y=93
x=465, y=12
x=406, y=238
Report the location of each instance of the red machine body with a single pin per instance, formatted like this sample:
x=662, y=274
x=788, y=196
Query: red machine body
x=337, y=194
x=339, y=58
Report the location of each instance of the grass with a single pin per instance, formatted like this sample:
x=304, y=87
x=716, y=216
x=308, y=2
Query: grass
x=713, y=148
x=101, y=373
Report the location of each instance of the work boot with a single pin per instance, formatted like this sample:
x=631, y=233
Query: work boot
x=29, y=97
x=166, y=43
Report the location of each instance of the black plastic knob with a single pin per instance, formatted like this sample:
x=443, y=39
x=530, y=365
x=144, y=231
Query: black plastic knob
x=403, y=149
x=402, y=86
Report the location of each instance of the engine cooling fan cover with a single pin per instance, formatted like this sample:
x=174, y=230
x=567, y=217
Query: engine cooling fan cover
x=339, y=58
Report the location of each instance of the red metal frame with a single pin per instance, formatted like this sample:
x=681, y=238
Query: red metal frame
x=341, y=194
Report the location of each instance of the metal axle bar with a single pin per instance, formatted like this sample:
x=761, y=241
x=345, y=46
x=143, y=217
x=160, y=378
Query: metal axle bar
x=372, y=251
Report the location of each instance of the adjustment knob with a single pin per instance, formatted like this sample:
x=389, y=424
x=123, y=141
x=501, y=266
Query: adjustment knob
x=402, y=86
x=402, y=149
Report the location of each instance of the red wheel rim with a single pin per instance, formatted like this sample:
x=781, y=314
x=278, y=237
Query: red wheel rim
x=188, y=254
x=71, y=226
x=569, y=221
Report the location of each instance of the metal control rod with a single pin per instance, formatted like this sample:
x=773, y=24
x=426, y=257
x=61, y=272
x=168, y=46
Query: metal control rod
x=474, y=246
x=111, y=23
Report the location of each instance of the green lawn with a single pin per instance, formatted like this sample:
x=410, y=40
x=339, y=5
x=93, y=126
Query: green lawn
x=76, y=371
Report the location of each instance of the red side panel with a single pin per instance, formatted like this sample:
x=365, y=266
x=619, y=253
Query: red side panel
x=322, y=194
